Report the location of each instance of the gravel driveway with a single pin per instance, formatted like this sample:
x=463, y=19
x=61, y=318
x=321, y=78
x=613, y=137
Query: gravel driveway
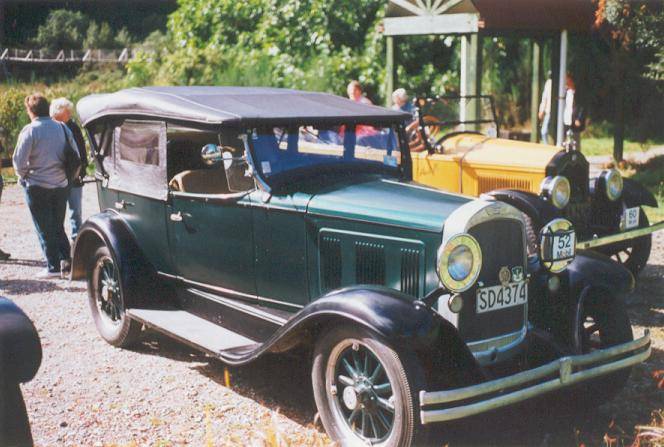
x=162, y=393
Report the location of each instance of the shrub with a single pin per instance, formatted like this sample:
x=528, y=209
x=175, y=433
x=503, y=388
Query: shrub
x=63, y=29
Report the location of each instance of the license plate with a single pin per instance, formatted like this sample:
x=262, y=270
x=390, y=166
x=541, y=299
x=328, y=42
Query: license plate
x=562, y=246
x=500, y=297
x=631, y=217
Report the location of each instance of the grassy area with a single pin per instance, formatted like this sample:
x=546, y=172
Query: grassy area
x=604, y=145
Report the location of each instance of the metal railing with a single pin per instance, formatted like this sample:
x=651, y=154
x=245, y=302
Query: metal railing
x=46, y=56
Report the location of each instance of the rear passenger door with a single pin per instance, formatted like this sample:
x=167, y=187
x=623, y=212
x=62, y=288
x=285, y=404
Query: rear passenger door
x=141, y=181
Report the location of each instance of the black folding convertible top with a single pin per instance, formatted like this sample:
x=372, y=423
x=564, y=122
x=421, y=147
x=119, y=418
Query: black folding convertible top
x=237, y=106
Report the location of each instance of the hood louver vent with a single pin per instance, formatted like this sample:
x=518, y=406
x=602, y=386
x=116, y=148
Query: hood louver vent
x=330, y=263
x=488, y=183
x=369, y=263
x=410, y=271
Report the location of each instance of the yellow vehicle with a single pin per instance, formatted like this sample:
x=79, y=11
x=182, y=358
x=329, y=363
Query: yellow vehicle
x=455, y=147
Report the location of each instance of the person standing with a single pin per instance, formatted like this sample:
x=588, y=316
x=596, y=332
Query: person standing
x=544, y=113
x=62, y=110
x=39, y=161
x=400, y=101
x=355, y=93
x=573, y=113
x=3, y=255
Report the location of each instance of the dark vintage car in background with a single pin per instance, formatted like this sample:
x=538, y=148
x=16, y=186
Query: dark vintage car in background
x=457, y=148
x=246, y=221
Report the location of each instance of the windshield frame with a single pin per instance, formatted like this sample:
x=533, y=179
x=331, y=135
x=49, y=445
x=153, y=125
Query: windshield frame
x=403, y=171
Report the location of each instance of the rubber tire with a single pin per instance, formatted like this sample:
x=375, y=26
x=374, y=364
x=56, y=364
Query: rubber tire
x=641, y=248
x=128, y=331
x=407, y=430
x=615, y=329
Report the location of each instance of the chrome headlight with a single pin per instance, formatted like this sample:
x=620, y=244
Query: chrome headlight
x=557, y=189
x=459, y=262
x=557, y=245
x=613, y=183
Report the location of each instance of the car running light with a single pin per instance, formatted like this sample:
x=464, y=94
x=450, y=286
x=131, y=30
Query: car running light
x=558, y=190
x=613, y=184
x=459, y=262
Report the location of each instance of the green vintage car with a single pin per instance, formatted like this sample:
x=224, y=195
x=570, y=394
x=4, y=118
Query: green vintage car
x=246, y=221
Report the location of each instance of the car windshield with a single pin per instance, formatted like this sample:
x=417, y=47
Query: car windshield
x=283, y=152
x=448, y=114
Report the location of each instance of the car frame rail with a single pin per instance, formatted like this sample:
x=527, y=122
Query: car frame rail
x=560, y=373
x=610, y=239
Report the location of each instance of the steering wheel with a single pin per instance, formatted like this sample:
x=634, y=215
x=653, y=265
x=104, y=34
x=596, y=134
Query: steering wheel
x=414, y=132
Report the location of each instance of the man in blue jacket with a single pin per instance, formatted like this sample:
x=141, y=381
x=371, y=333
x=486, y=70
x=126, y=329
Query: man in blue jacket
x=39, y=161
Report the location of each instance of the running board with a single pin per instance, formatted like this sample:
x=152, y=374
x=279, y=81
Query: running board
x=194, y=331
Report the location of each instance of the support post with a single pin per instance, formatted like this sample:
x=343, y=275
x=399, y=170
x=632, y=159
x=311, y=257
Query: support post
x=389, y=70
x=562, y=74
x=2, y=22
x=470, y=76
x=535, y=91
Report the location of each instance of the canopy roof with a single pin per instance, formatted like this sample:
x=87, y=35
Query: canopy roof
x=462, y=16
x=232, y=106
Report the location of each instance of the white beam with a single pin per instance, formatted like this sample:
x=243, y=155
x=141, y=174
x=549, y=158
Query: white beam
x=562, y=86
x=444, y=24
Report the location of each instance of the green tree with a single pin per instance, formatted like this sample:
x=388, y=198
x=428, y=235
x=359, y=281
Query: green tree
x=63, y=29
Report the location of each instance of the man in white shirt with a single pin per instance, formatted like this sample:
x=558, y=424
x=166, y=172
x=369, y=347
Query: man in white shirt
x=573, y=114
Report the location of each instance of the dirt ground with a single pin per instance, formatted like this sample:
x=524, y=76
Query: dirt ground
x=162, y=393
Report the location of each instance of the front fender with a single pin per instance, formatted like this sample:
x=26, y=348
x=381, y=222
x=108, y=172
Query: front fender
x=635, y=194
x=405, y=324
x=531, y=204
x=108, y=229
x=592, y=270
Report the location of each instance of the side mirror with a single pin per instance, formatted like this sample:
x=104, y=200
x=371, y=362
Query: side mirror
x=211, y=154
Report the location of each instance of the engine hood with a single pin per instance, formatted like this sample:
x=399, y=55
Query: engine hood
x=482, y=150
x=387, y=202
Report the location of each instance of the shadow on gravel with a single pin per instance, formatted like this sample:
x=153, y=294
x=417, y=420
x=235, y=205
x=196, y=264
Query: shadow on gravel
x=646, y=305
x=24, y=262
x=280, y=383
x=18, y=287
x=283, y=384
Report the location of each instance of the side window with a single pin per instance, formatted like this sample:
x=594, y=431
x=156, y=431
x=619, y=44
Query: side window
x=139, y=159
x=139, y=143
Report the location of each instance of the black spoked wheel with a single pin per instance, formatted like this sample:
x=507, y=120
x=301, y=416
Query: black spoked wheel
x=107, y=303
x=366, y=400
x=600, y=326
x=362, y=390
x=633, y=254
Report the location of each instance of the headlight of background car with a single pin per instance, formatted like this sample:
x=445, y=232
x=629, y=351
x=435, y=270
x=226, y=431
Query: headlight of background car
x=613, y=183
x=557, y=189
x=557, y=245
x=459, y=262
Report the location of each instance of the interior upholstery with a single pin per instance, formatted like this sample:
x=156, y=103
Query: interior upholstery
x=200, y=181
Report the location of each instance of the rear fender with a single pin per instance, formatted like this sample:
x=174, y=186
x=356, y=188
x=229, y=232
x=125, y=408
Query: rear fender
x=108, y=229
x=405, y=324
x=540, y=211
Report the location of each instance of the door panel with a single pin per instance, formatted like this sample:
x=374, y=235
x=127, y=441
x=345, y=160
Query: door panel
x=213, y=242
x=280, y=238
x=147, y=219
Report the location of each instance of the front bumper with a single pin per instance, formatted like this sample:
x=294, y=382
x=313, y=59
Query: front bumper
x=612, y=238
x=525, y=385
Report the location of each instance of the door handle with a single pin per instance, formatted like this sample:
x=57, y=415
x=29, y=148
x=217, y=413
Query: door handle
x=177, y=217
x=121, y=205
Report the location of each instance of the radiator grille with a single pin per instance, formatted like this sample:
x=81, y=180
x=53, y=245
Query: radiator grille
x=369, y=263
x=502, y=246
x=488, y=183
x=410, y=271
x=330, y=263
